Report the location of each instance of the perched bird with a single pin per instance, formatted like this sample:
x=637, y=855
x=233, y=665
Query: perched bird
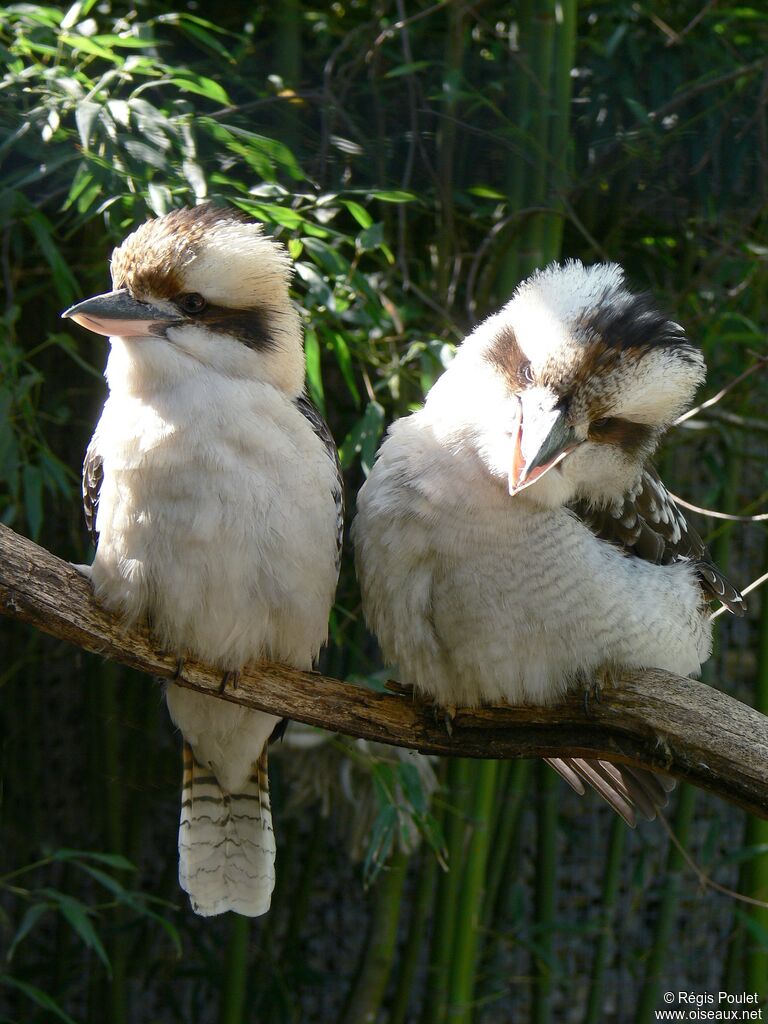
x=513, y=542
x=213, y=490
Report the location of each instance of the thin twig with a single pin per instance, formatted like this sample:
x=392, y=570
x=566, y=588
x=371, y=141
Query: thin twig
x=390, y=30
x=704, y=879
x=745, y=590
x=759, y=364
x=760, y=518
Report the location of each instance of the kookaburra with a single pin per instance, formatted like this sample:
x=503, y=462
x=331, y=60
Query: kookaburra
x=513, y=542
x=212, y=488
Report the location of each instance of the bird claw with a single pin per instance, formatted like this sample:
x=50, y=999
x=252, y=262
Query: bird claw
x=447, y=714
x=179, y=669
x=227, y=678
x=603, y=679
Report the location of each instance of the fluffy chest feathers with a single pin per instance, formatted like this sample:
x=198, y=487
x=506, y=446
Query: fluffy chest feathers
x=481, y=597
x=216, y=519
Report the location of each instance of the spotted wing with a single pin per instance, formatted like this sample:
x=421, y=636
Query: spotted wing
x=320, y=427
x=93, y=474
x=648, y=524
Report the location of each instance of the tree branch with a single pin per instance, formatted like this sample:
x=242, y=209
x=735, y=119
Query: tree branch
x=651, y=719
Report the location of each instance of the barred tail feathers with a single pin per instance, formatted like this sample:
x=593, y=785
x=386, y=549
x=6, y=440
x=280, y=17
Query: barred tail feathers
x=226, y=842
x=629, y=791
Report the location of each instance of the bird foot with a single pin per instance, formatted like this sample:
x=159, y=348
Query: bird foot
x=179, y=670
x=603, y=678
x=228, y=678
x=84, y=570
x=446, y=713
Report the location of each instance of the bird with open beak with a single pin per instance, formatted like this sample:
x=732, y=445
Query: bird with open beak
x=513, y=541
x=213, y=491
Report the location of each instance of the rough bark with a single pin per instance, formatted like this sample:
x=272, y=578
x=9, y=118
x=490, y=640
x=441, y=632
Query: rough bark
x=650, y=719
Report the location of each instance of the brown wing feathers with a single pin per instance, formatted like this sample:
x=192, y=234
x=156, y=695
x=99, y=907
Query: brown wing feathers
x=647, y=523
x=93, y=474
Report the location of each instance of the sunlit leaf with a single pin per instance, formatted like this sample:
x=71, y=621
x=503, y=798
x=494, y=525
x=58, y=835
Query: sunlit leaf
x=201, y=86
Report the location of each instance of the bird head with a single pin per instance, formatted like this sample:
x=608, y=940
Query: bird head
x=206, y=285
x=566, y=391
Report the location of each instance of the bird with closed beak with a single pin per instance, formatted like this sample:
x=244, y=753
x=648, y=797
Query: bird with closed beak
x=513, y=542
x=213, y=491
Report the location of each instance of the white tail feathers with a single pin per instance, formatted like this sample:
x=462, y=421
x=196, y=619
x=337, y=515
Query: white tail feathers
x=226, y=843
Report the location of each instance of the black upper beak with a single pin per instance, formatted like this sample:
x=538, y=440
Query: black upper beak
x=118, y=314
x=543, y=440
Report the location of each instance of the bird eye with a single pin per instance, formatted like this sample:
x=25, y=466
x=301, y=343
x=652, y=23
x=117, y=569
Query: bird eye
x=526, y=373
x=192, y=302
x=604, y=421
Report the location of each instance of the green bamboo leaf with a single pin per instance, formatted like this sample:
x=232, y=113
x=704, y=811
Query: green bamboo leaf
x=113, y=860
x=85, y=118
x=371, y=237
x=314, y=374
x=753, y=925
x=32, y=482
x=201, y=86
x=363, y=438
x=66, y=285
x=408, y=69
x=160, y=198
x=195, y=175
x=75, y=914
x=394, y=196
x=380, y=844
x=361, y=215
x=84, y=44
x=28, y=922
x=486, y=193
x=410, y=782
x=146, y=154
x=274, y=214
x=37, y=996
x=344, y=359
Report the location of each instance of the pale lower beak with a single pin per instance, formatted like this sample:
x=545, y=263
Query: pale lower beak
x=118, y=314
x=543, y=438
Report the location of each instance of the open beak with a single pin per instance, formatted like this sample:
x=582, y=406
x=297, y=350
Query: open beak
x=118, y=314
x=542, y=439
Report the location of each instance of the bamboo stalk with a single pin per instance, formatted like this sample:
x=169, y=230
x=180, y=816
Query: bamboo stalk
x=446, y=142
x=648, y=1002
x=408, y=961
x=235, y=975
x=502, y=866
x=594, y=1012
x=370, y=985
x=541, y=32
x=560, y=124
x=544, y=896
x=467, y=933
x=114, y=810
x=756, y=960
x=517, y=167
x=449, y=885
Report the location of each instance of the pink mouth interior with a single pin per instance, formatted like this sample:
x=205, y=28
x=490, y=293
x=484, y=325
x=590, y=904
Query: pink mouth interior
x=518, y=478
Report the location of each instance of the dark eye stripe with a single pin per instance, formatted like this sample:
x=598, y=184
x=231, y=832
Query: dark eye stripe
x=632, y=437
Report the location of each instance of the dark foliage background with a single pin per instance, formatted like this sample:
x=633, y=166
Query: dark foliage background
x=418, y=160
